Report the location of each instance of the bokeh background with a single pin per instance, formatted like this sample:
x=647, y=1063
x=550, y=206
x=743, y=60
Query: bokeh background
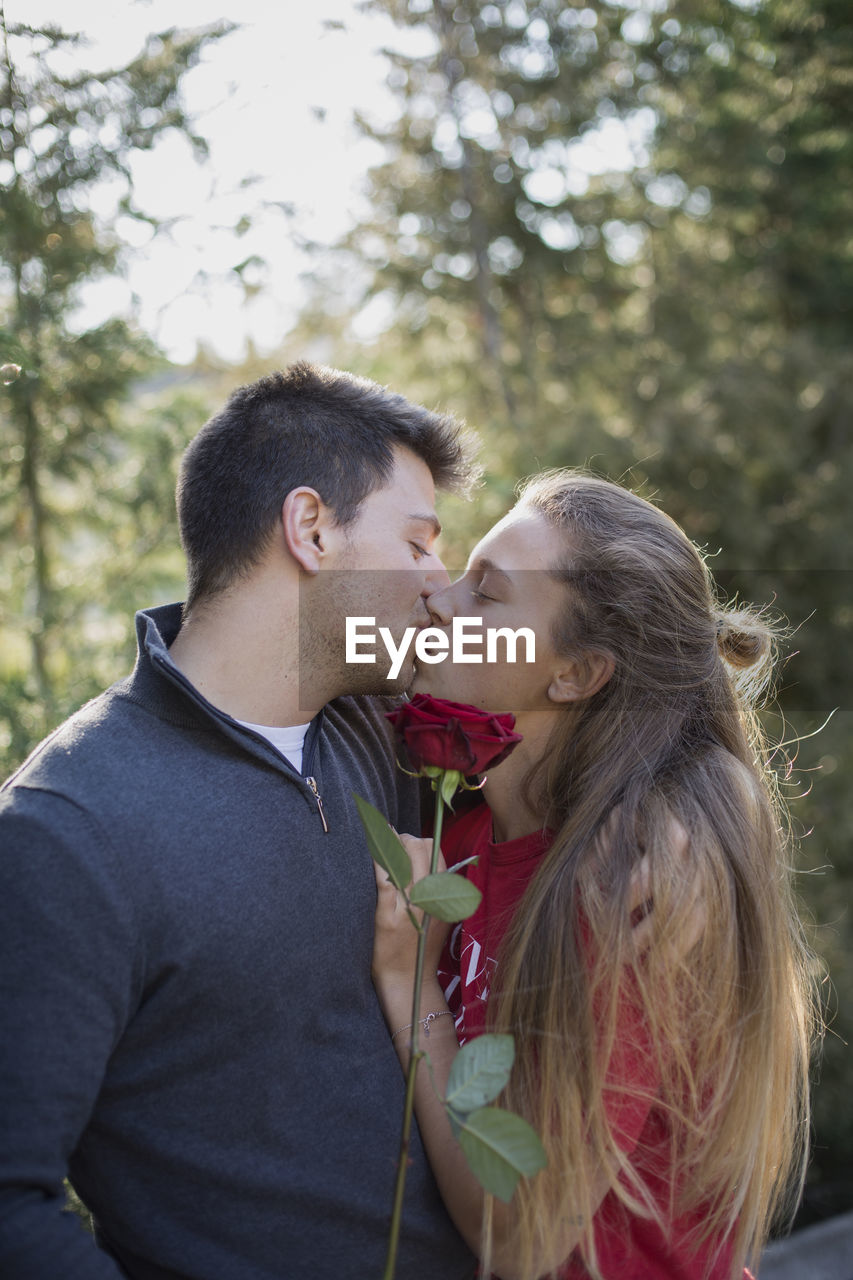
x=613, y=232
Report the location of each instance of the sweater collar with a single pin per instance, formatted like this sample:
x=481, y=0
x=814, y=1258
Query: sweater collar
x=159, y=683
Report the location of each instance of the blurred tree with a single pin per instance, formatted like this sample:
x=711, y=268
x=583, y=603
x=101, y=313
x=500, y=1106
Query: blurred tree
x=620, y=233
x=85, y=482
x=746, y=397
x=486, y=232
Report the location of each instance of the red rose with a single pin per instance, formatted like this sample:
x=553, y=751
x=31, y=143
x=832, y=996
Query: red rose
x=451, y=735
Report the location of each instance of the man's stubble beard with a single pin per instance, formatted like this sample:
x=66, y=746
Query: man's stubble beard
x=322, y=643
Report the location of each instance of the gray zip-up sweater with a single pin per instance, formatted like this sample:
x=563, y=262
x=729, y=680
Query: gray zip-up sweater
x=187, y=1021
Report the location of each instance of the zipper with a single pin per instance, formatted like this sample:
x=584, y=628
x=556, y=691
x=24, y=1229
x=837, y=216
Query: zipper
x=312, y=783
x=176, y=676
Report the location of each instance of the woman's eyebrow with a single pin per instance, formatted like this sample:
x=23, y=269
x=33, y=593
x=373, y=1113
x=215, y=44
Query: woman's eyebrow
x=488, y=566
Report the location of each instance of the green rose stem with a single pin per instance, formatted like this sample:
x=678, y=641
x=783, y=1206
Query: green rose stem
x=439, y=782
x=499, y=1147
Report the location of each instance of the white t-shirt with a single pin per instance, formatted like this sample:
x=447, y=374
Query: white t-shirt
x=289, y=740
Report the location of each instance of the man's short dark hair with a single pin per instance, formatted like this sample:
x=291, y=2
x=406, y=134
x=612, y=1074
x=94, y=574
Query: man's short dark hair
x=307, y=425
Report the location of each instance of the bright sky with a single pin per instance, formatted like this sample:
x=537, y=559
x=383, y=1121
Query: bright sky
x=276, y=100
x=258, y=98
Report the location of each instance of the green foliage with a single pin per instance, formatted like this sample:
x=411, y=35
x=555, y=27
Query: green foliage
x=446, y=896
x=480, y=1070
x=385, y=846
x=500, y=1148
x=449, y=781
x=87, y=452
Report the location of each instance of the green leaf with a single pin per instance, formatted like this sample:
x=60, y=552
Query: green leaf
x=446, y=896
x=450, y=785
x=500, y=1148
x=385, y=847
x=480, y=1070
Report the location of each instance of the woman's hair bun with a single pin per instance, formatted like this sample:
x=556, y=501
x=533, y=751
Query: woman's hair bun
x=743, y=638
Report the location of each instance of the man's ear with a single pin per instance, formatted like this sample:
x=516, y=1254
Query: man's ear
x=305, y=518
x=581, y=675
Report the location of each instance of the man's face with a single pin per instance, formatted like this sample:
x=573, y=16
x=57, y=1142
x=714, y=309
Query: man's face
x=386, y=568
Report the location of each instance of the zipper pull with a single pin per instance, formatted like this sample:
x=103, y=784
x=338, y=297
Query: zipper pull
x=312, y=783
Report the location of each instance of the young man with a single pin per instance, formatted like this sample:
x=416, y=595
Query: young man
x=186, y=900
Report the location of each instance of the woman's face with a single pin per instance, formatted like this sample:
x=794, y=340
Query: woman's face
x=506, y=585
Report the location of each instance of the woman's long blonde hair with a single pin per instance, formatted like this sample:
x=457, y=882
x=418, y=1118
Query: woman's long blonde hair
x=673, y=734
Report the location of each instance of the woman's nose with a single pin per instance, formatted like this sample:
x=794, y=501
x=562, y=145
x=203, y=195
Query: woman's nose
x=436, y=579
x=440, y=605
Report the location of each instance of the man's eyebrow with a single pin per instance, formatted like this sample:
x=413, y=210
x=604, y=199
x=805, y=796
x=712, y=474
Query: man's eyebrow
x=489, y=566
x=430, y=519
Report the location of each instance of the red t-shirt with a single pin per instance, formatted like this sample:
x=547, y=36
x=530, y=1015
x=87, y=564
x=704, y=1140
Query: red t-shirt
x=629, y=1247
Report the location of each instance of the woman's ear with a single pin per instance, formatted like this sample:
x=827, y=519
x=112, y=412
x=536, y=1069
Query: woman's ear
x=305, y=519
x=581, y=675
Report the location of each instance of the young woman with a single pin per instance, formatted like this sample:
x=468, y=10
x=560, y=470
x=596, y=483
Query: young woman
x=664, y=1066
